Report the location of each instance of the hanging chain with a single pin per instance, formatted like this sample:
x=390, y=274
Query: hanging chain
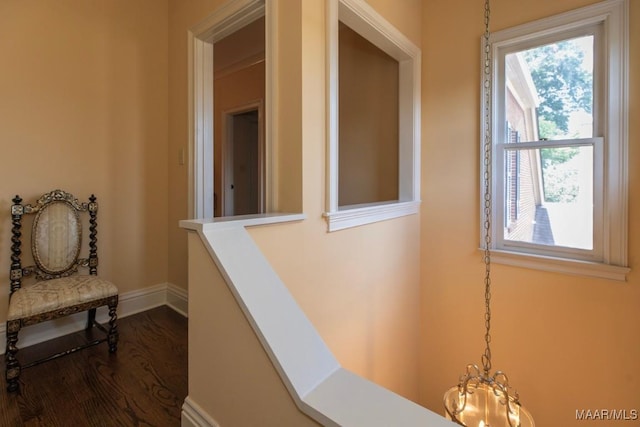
x=486, y=357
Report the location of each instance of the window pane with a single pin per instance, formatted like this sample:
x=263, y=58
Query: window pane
x=549, y=196
x=550, y=90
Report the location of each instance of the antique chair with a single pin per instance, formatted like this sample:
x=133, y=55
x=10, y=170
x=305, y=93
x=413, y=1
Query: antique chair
x=58, y=290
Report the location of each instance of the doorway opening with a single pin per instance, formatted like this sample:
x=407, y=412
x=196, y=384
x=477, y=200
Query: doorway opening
x=228, y=57
x=243, y=183
x=238, y=135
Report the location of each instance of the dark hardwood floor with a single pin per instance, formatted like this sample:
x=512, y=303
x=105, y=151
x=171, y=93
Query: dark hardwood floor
x=143, y=384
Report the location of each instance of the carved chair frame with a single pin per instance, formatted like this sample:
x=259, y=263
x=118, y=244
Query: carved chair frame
x=43, y=272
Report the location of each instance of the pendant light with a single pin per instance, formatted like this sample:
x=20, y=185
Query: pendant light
x=482, y=399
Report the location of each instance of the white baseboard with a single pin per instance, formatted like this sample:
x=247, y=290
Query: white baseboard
x=129, y=303
x=178, y=299
x=194, y=416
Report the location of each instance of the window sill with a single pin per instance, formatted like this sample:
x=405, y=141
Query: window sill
x=561, y=265
x=354, y=216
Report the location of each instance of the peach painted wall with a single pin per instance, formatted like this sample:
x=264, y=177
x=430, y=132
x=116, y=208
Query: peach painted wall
x=368, y=149
x=566, y=342
x=230, y=375
x=83, y=107
x=360, y=286
x=182, y=16
x=232, y=91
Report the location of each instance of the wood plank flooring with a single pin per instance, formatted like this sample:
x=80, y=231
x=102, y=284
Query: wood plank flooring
x=143, y=384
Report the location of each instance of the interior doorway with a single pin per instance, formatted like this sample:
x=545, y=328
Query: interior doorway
x=228, y=67
x=238, y=133
x=243, y=184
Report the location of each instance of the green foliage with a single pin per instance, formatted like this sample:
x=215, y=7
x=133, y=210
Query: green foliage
x=563, y=85
x=546, y=128
x=560, y=181
x=560, y=185
x=554, y=156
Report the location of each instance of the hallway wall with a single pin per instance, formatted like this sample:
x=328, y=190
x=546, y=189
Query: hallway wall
x=83, y=108
x=566, y=342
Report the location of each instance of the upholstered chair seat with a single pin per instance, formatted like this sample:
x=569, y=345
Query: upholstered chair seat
x=67, y=294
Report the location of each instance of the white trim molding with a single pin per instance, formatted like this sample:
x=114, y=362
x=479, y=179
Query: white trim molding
x=359, y=215
x=608, y=258
x=130, y=303
x=365, y=21
x=230, y=17
x=560, y=265
x=194, y=416
x=178, y=299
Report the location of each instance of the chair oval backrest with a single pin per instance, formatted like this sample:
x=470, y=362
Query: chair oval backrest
x=56, y=237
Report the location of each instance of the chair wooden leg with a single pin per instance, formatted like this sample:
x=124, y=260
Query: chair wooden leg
x=112, y=337
x=12, y=372
x=91, y=318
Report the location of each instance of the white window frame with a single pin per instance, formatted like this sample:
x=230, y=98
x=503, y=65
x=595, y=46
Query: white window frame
x=364, y=20
x=610, y=142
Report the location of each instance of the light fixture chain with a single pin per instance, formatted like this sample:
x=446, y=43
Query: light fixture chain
x=482, y=398
x=486, y=358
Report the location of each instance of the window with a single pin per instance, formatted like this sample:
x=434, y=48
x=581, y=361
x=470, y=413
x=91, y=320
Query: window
x=560, y=142
x=373, y=171
x=367, y=121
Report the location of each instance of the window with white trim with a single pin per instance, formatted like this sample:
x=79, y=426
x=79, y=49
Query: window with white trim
x=373, y=160
x=559, y=126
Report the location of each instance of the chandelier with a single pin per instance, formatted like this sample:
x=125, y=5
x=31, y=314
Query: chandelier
x=482, y=399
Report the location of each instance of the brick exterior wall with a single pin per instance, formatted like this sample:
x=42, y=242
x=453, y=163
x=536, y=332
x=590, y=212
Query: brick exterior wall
x=520, y=200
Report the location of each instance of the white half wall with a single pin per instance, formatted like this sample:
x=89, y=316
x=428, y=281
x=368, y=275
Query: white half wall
x=271, y=367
